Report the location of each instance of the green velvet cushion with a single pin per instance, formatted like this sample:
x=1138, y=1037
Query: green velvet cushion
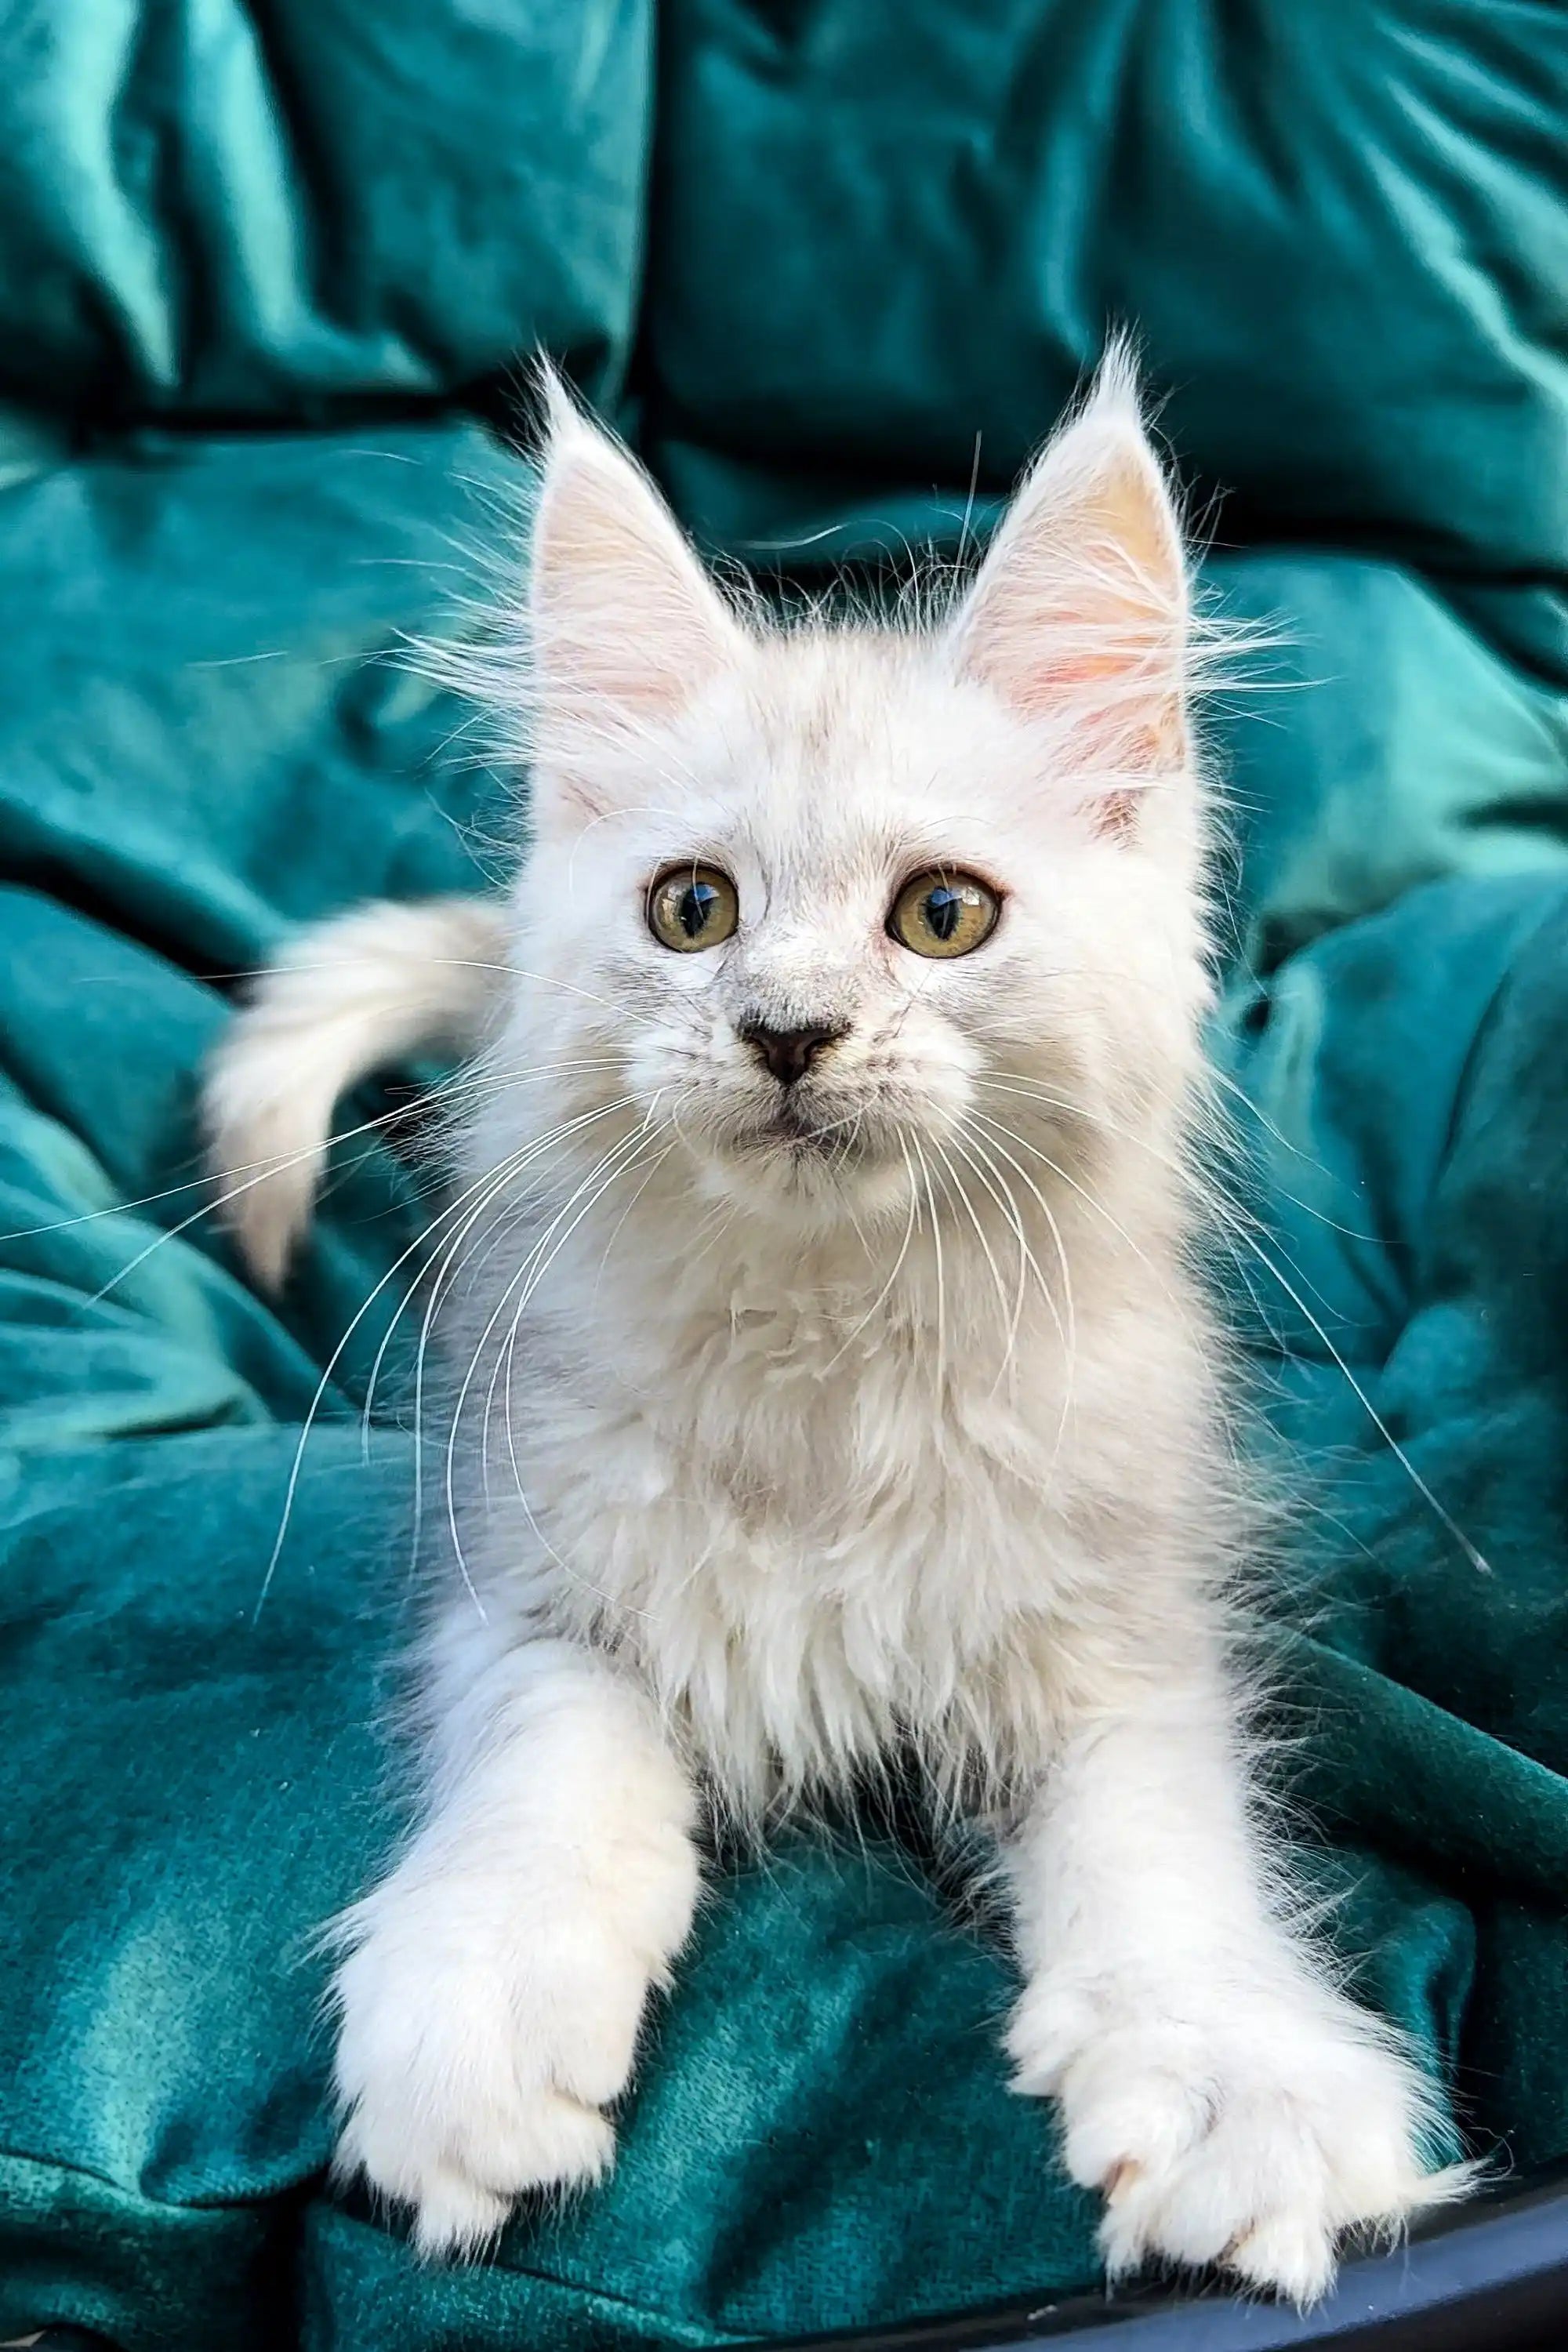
x=881, y=230
x=239, y=211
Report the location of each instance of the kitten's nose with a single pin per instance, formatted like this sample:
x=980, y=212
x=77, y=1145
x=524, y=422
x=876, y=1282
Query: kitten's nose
x=787, y=1053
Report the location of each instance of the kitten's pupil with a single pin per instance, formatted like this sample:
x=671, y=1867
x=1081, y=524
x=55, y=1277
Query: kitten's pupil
x=943, y=909
x=695, y=911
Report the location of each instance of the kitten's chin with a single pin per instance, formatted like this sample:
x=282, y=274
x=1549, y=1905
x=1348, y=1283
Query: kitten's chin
x=815, y=1176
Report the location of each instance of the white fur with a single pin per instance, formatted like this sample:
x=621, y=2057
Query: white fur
x=350, y=997
x=769, y=1455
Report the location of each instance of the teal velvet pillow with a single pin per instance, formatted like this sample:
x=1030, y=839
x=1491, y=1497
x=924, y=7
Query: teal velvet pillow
x=238, y=213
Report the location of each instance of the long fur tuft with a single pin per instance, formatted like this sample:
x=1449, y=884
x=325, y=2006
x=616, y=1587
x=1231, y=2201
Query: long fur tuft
x=349, y=997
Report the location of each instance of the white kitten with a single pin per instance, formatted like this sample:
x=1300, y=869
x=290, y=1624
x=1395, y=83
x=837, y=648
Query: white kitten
x=830, y=1372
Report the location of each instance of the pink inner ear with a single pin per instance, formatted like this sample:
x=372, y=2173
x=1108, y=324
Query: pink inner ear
x=1127, y=717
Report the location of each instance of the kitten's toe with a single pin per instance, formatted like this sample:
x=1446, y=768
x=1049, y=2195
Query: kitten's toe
x=1289, y=2254
x=1251, y=2195
x=459, y=2179
x=453, y=2215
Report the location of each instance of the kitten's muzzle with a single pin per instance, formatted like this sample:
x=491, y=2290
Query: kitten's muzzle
x=788, y=1054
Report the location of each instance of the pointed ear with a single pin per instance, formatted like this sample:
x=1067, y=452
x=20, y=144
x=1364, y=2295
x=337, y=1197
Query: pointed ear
x=624, y=626
x=1080, y=612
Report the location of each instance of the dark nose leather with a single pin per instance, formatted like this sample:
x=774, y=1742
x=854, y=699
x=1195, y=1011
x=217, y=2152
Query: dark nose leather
x=787, y=1053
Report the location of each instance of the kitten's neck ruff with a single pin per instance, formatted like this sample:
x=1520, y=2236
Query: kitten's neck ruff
x=989, y=1239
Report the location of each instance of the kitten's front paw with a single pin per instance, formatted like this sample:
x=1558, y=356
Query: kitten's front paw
x=1251, y=2125
x=476, y=2056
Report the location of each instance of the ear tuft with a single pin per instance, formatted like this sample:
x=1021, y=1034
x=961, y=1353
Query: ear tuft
x=559, y=413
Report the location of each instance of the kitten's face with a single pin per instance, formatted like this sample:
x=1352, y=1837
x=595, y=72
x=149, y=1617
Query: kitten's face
x=847, y=948
x=867, y=919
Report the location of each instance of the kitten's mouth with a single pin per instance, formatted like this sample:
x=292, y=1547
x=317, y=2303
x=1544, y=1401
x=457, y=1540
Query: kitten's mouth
x=805, y=1137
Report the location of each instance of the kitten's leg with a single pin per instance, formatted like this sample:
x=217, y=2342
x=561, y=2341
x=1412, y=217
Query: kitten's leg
x=494, y=1983
x=1232, y=2105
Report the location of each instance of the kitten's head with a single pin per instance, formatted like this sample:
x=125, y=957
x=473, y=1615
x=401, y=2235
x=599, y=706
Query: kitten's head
x=854, y=911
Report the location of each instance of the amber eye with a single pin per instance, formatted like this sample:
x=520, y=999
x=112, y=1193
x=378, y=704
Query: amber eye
x=941, y=914
x=692, y=907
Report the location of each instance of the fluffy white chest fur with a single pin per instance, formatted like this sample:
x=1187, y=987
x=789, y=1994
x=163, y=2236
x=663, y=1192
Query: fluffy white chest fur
x=827, y=1377
x=821, y=1522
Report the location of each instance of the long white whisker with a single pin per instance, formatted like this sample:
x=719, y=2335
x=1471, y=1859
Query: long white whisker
x=325, y=1381
x=616, y=1163
x=1066, y=1326
x=994, y=1128
x=1012, y=1082
x=996, y=1131
x=936, y=1247
x=1477, y=1560
x=524, y=1276
x=1205, y=1190
x=507, y=1175
x=985, y=1240
x=903, y=1250
x=1238, y=1224
x=440, y=1283
x=255, y=1172
x=972, y=1152
x=624, y=1152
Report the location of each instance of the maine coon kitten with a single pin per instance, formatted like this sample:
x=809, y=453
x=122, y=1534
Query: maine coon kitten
x=830, y=1372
